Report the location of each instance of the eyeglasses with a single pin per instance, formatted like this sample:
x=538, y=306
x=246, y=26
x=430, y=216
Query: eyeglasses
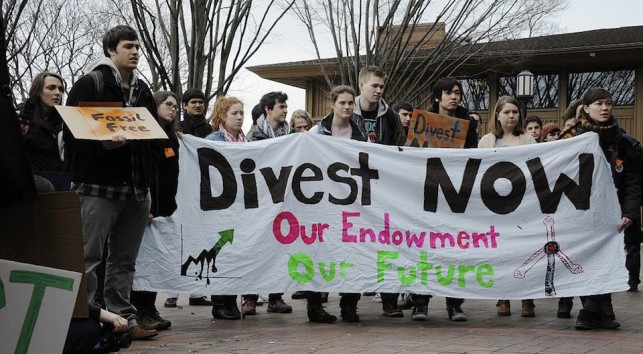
x=171, y=105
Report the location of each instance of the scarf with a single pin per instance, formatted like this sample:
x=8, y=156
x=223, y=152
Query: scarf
x=608, y=132
x=282, y=128
x=569, y=132
x=228, y=137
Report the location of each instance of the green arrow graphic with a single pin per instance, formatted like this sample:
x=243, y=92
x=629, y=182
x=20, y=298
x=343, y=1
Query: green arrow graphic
x=226, y=237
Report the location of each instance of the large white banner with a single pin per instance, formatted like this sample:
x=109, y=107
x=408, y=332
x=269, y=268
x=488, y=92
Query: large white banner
x=311, y=212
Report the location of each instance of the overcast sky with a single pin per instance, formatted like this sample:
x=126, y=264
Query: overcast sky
x=288, y=45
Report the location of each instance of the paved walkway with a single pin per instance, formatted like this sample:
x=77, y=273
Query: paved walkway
x=194, y=331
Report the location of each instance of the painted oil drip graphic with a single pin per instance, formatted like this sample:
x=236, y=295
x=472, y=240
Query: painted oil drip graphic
x=551, y=250
x=207, y=258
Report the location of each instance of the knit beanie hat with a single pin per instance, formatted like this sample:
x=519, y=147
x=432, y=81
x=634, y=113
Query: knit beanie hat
x=548, y=128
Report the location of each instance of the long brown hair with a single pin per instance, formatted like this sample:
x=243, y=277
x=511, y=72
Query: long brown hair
x=161, y=96
x=33, y=106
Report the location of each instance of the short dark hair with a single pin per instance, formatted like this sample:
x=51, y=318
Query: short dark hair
x=592, y=95
x=443, y=84
x=533, y=119
x=256, y=113
x=405, y=105
x=268, y=100
x=114, y=35
x=191, y=94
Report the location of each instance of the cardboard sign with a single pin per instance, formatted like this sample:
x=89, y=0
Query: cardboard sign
x=428, y=129
x=46, y=232
x=102, y=123
x=35, y=307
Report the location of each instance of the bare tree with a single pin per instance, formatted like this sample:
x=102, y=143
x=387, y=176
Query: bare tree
x=415, y=41
x=539, y=22
x=203, y=43
x=54, y=35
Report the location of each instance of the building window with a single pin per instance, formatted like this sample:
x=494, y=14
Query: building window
x=619, y=83
x=475, y=95
x=545, y=90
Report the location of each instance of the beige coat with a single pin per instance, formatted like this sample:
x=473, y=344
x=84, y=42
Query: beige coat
x=489, y=140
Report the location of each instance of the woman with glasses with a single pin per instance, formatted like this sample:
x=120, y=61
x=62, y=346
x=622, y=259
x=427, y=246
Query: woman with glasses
x=163, y=193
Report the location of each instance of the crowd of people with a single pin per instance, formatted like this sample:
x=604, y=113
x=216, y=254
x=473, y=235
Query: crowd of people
x=124, y=184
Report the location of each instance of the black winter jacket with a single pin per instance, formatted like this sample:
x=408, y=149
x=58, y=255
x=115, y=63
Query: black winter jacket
x=624, y=156
x=41, y=140
x=388, y=129
x=164, y=185
x=195, y=126
x=90, y=162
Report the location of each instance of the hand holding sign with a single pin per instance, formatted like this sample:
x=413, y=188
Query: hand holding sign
x=117, y=141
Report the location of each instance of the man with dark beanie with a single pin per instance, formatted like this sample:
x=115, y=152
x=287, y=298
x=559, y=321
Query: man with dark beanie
x=193, y=121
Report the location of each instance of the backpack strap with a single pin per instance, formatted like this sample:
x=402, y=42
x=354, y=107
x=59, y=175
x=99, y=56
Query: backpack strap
x=99, y=84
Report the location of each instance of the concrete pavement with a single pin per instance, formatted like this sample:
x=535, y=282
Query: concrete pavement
x=195, y=331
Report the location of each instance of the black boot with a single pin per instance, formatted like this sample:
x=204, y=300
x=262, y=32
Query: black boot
x=222, y=308
x=233, y=309
x=608, y=310
x=348, y=305
x=316, y=313
x=607, y=322
x=586, y=319
x=565, y=305
x=389, y=305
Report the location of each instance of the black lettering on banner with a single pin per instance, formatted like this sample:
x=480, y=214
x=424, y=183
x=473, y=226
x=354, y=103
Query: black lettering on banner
x=579, y=194
x=250, y=197
x=332, y=174
x=298, y=178
x=211, y=158
x=367, y=174
x=494, y=201
x=437, y=176
x=276, y=185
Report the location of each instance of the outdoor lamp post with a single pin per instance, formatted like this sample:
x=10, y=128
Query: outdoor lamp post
x=524, y=91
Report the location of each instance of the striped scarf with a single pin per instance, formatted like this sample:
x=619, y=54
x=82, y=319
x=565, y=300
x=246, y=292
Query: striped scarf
x=227, y=136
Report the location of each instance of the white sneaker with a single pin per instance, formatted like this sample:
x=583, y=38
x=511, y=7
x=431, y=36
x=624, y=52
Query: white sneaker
x=377, y=298
x=261, y=299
